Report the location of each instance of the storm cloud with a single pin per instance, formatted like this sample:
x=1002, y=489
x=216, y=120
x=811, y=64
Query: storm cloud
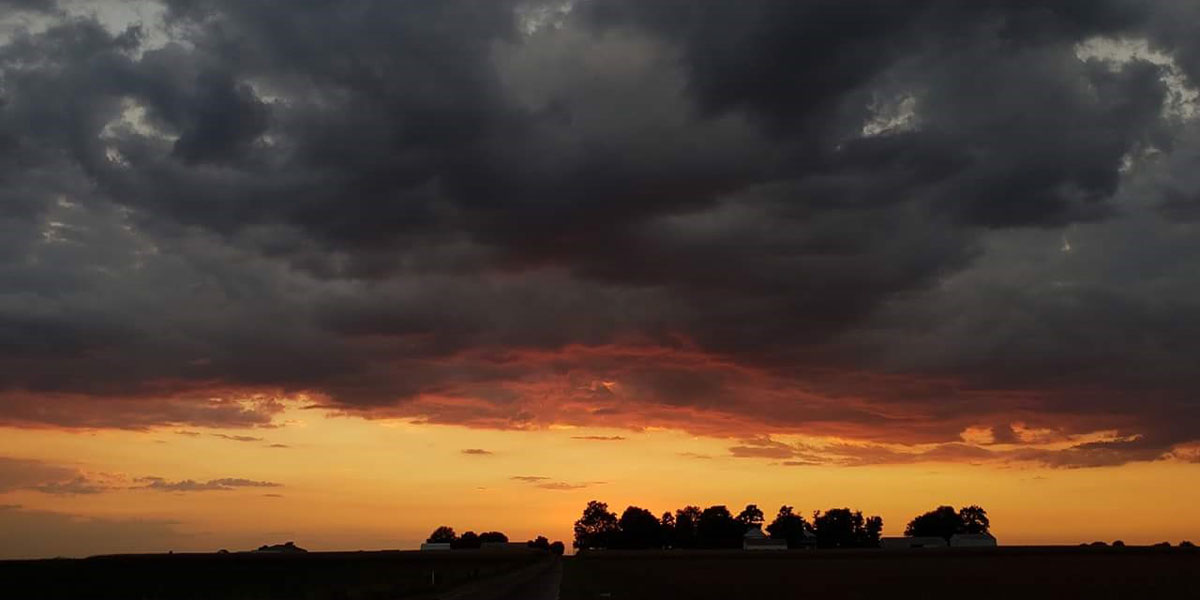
x=883, y=222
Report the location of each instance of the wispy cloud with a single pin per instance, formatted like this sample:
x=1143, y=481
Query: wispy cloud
x=547, y=483
x=477, y=452
x=238, y=438
x=191, y=485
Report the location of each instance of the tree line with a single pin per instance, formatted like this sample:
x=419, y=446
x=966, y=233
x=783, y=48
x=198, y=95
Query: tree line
x=471, y=540
x=716, y=527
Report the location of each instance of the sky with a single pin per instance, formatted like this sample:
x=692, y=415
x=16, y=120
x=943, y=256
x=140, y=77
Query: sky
x=342, y=272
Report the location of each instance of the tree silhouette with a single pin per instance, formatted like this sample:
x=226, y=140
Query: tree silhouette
x=467, y=541
x=557, y=548
x=493, y=536
x=789, y=526
x=751, y=515
x=442, y=535
x=718, y=529
x=942, y=522
x=640, y=529
x=974, y=519
x=843, y=528
x=596, y=528
x=687, y=522
x=541, y=543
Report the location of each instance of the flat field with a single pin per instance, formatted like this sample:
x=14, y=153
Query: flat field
x=1023, y=573
x=246, y=576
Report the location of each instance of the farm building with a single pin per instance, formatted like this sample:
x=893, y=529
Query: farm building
x=435, y=546
x=504, y=546
x=907, y=542
x=755, y=539
x=972, y=540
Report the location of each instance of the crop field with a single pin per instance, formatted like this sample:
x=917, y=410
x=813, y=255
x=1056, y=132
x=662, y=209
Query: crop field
x=1026, y=573
x=246, y=576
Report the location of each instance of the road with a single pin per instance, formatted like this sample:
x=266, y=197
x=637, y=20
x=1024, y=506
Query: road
x=542, y=587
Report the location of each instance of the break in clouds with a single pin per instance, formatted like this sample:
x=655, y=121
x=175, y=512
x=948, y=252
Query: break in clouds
x=928, y=230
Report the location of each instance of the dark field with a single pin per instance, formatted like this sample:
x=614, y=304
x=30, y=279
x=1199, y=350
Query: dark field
x=312, y=576
x=1023, y=573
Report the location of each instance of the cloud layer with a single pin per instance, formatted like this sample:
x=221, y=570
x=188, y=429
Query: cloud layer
x=883, y=222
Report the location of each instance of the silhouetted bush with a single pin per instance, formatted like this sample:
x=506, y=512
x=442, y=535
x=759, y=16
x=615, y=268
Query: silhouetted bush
x=1186, y=544
x=557, y=548
x=1118, y=544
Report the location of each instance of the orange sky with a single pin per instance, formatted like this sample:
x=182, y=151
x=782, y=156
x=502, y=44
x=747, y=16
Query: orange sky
x=349, y=483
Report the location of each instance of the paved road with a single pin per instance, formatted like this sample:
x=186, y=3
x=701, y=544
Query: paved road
x=542, y=587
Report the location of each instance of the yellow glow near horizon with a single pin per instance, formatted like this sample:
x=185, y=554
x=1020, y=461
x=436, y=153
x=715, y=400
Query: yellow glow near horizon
x=349, y=483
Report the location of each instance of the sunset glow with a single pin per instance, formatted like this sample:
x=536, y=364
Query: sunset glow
x=343, y=272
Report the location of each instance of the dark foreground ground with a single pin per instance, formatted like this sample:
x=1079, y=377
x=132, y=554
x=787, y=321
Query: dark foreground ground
x=975, y=574
x=311, y=576
x=1024, y=573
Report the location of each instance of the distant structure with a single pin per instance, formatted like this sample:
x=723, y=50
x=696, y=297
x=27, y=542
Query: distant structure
x=909, y=542
x=286, y=548
x=504, y=546
x=972, y=540
x=435, y=546
x=755, y=539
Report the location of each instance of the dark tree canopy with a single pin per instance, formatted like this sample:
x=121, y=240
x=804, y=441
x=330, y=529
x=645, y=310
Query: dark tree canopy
x=467, y=541
x=687, y=522
x=751, y=515
x=718, y=528
x=789, y=526
x=974, y=519
x=944, y=522
x=639, y=529
x=442, y=535
x=492, y=536
x=596, y=528
x=843, y=528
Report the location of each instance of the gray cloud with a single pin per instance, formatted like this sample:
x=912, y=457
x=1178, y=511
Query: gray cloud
x=730, y=218
x=190, y=485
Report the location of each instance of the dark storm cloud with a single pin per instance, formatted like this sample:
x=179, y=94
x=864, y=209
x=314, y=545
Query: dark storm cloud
x=738, y=218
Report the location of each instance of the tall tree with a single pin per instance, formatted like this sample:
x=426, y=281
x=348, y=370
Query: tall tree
x=974, y=519
x=442, y=535
x=667, y=529
x=640, y=529
x=596, y=528
x=718, y=529
x=789, y=526
x=751, y=515
x=687, y=522
x=844, y=528
x=942, y=522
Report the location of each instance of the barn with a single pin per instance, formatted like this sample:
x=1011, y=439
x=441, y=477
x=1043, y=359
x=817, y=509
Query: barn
x=755, y=539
